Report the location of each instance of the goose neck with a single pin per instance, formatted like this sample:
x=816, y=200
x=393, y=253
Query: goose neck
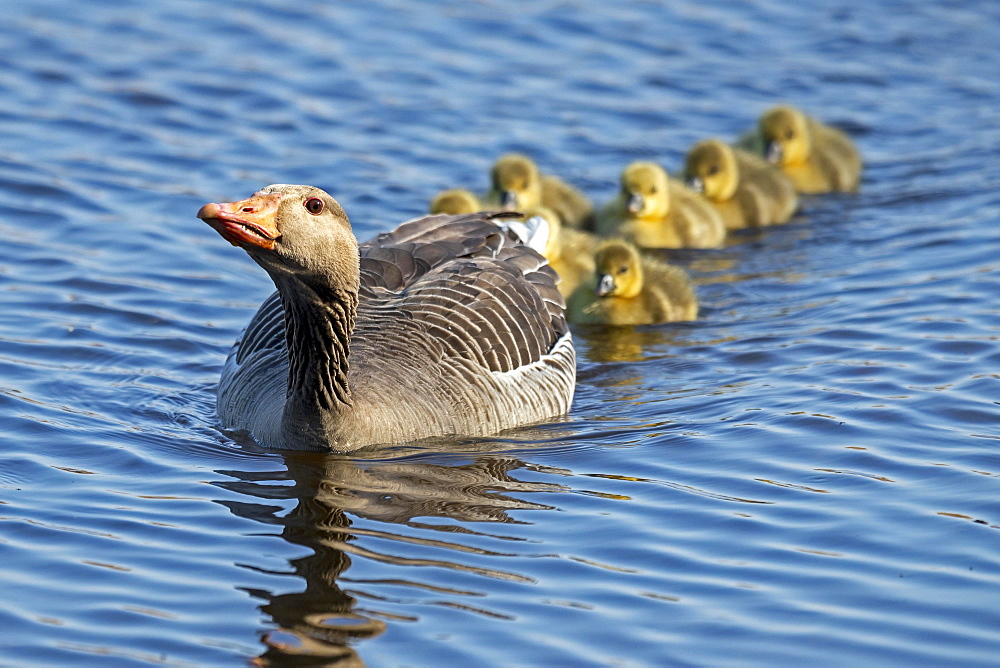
x=318, y=327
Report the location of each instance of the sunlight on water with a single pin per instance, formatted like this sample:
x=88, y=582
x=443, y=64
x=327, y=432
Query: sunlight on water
x=806, y=474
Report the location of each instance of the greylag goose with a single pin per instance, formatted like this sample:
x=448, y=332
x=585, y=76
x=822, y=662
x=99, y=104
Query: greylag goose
x=654, y=211
x=816, y=157
x=447, y=325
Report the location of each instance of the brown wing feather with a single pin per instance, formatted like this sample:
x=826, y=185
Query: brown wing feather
x=396, y=259
x=485, y=296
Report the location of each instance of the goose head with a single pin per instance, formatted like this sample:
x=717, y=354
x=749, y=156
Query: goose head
x=618, y=270
x=644, y=190
x=455, y=201
x=293, y=232
x=710, y=169
x=515, y=183
x=785, y=135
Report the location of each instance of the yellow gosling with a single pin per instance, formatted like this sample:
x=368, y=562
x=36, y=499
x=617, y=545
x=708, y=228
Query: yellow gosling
x=655, y=211
x=570, y=252
x=516, y=185
x=455, y=201
x=746, y=191
x=816, y=157
x=627, y=289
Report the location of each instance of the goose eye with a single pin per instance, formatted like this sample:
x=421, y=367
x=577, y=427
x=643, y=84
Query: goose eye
x=623, y=269
x=314, y=205
x=713, y=170
x=789, y=134
x=652, y=191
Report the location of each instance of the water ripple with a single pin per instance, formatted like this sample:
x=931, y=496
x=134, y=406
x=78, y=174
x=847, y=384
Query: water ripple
x=806, y=472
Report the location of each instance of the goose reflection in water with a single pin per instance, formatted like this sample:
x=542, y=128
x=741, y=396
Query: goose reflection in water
x=333, y=492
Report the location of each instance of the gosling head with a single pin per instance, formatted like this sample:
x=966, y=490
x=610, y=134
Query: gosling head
x=785, y=135
x=292, y=232
x=515, y=183
x=644, y=190
x=455, y=201
x=710, y=168
x=618, y=270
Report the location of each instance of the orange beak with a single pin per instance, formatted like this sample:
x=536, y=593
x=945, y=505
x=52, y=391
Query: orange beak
x=250, y=221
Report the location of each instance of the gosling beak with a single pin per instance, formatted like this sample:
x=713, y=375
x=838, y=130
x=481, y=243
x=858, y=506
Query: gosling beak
x=696, y=184
x=250, y=221
x=508, y=200
x=774, y=152
x=635, y=203
x=605, y=284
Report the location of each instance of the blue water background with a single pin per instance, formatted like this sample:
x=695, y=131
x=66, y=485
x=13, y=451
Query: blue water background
x=809, y=474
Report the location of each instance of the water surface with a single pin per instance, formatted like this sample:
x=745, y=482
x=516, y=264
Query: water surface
x=808, y=474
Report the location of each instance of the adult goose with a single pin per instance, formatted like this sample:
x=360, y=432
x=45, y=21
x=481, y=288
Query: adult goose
x=447, y=325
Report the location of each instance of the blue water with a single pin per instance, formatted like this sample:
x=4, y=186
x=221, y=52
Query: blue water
x=808, y=474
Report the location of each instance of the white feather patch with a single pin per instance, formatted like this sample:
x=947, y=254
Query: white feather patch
x=533, y=232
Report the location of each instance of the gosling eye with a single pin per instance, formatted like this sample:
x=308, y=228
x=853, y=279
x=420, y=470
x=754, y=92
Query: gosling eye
x=652, y=191
x=622, y=269
x=713, y=170
x=314, y=205
x=789, y=134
